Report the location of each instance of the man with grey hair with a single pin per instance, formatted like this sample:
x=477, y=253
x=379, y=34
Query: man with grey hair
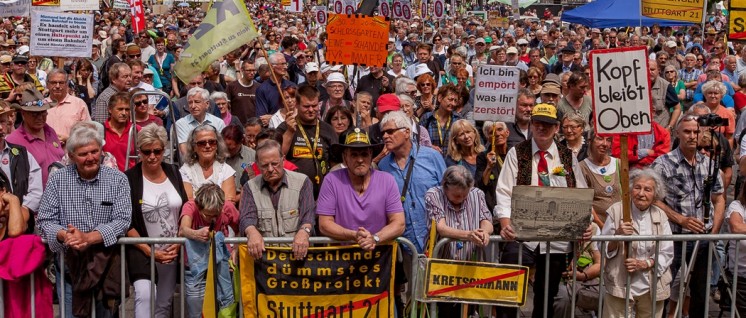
x=84, y=210
x=268, y=99
x=198, y=102
x=406, y=159
x=274, y=195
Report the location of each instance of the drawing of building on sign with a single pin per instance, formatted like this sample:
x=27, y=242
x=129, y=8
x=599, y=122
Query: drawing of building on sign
x=557, y=213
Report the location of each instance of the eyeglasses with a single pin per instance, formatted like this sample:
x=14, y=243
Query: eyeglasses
x=392, y=130
x=412, y=93
x=424, y=84
x=134, y=56
x=141, y=102
x=204, y=143
x=5, y=64
x=670, y=72
x=148, y=152
x=271, y=165
x=571, y=127
x=20, y=63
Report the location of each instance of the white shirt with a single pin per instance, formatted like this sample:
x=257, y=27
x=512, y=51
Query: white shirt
x=32, y=199
x=507, y=180
x=146, y=53
x=737, y=208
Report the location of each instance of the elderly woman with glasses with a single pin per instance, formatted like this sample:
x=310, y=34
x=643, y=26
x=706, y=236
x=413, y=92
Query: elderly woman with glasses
x=205, y=162
x=224, y=105
x=714, y=91
x=572, y=129
x=157, y=197
x=460, y=213
x=397, y=66
x=640, y=262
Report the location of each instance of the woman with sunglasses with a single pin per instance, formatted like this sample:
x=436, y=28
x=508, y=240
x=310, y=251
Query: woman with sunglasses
x=439, y=50
x=272, y=45
x=163, y=62
x=672, y=76
x=426, y=101
x=205, y=163
x=157, y=197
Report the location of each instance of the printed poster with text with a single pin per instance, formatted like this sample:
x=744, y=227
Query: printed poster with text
x=474, y=283
x=737, y=20
x=496, y=90
x=340, y=281
x=357, y=39
x=61, y=34
x=621, y=92
x=676, y=10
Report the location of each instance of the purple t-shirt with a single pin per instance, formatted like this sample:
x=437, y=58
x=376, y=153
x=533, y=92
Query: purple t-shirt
x=337, y=198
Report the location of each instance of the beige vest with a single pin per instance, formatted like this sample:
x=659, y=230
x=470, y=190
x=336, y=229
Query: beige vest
x=284, y=221
x=616, y=274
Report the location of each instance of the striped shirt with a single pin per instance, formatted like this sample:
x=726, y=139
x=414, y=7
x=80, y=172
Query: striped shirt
x=472, y=211
x=685, y=185
x=102, y=204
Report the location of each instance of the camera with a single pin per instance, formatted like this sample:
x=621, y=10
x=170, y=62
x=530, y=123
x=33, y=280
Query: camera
x=712, y=120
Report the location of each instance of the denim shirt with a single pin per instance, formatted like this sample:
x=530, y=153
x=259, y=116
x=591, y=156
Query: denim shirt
x=428, y=169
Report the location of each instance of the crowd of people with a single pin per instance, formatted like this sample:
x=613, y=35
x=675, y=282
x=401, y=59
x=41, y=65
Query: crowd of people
x=275, y=142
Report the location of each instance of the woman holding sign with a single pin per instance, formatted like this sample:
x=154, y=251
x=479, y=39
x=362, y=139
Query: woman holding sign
x=640, y=262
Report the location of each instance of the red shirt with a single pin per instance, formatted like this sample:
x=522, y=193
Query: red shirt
x=117, y=145
x=228, y=218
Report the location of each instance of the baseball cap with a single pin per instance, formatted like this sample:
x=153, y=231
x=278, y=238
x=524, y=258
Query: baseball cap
x=671, y=44
x=388, y=102
x=480, y=41
x=546, y=113
x=511, y=50
x=522, y=42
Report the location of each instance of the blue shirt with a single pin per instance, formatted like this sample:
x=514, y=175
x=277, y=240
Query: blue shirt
x=726, y=100
x=438, y=134
x=426, y=173
x=268, y=98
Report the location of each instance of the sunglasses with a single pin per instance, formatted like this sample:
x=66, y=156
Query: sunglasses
x=204, y=143
x=5, y=64
x=141, y=102
x=148, y=152
x=425, y=84
x=20, y=63
x=392, y=131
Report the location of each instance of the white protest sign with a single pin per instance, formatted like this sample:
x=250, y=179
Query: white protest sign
x=79, y=5
x=406, y=10
x=495, y=93
x=621, y=91
x=397, y=9
x=350, y=6
x=295, y=6
x=320, y=14
x=439, y=9
x=14, y=8
x=121, y=4
x=338, y=6
x=61, y=34
x=384, y=9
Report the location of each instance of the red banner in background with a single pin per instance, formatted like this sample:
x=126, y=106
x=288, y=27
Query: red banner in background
x=138, y=16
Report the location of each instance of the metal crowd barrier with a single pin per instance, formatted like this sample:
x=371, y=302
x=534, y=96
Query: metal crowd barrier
x=151, y=241
x=604, y=240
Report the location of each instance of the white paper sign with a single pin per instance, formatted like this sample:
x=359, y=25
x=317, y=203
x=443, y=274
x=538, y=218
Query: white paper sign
x=397, y=9
x=295, y=6
x=496, y=93
x=621, y=91
x=83, y=5
x=439, y=9
x=339, y=6
x=61, y=34
x=384, y=9
x=14, y=8
x=350, y=6
x=320, y=14
x=406, y=10
x=121, y=4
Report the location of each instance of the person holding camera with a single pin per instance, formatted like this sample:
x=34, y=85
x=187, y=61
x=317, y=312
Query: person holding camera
x=688, y=209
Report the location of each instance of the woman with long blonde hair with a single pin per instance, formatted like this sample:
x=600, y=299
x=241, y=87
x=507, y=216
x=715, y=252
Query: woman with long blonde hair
x=464, y=145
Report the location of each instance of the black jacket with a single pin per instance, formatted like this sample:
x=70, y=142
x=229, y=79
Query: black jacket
x=138, y=264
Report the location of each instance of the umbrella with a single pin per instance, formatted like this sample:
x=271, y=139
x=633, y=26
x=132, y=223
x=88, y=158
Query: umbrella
x=183, y=4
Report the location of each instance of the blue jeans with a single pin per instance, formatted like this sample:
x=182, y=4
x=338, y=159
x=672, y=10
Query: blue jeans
x=194, y=278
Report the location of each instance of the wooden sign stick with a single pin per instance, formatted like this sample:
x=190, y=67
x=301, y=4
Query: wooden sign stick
x=278, y=83
x=624, y=176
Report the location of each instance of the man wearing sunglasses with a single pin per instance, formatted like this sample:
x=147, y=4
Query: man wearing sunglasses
x=15, y=76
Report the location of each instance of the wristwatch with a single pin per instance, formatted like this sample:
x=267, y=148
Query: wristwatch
x=307, y=229
x=376, y=239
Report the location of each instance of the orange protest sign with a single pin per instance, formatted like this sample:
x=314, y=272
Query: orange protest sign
x=356, y=39
x=45, y=2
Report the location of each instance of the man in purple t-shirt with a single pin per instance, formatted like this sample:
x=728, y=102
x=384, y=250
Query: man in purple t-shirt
x=358, y=203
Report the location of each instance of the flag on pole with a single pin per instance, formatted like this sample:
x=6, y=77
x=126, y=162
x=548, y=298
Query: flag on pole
x=225, y=28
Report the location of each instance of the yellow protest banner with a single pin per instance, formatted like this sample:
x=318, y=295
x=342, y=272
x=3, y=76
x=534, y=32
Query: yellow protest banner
x=226, y=27
x=45, y=3
x=737, y=20
x=329, y=282
x=678, y=10
x=474, y=282
x=356, y=39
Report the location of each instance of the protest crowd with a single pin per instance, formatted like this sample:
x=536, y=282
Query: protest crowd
x=276, y=142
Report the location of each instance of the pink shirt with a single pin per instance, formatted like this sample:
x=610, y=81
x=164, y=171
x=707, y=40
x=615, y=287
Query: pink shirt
x=44, y=151
x=228, y=218
x=67, y=113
